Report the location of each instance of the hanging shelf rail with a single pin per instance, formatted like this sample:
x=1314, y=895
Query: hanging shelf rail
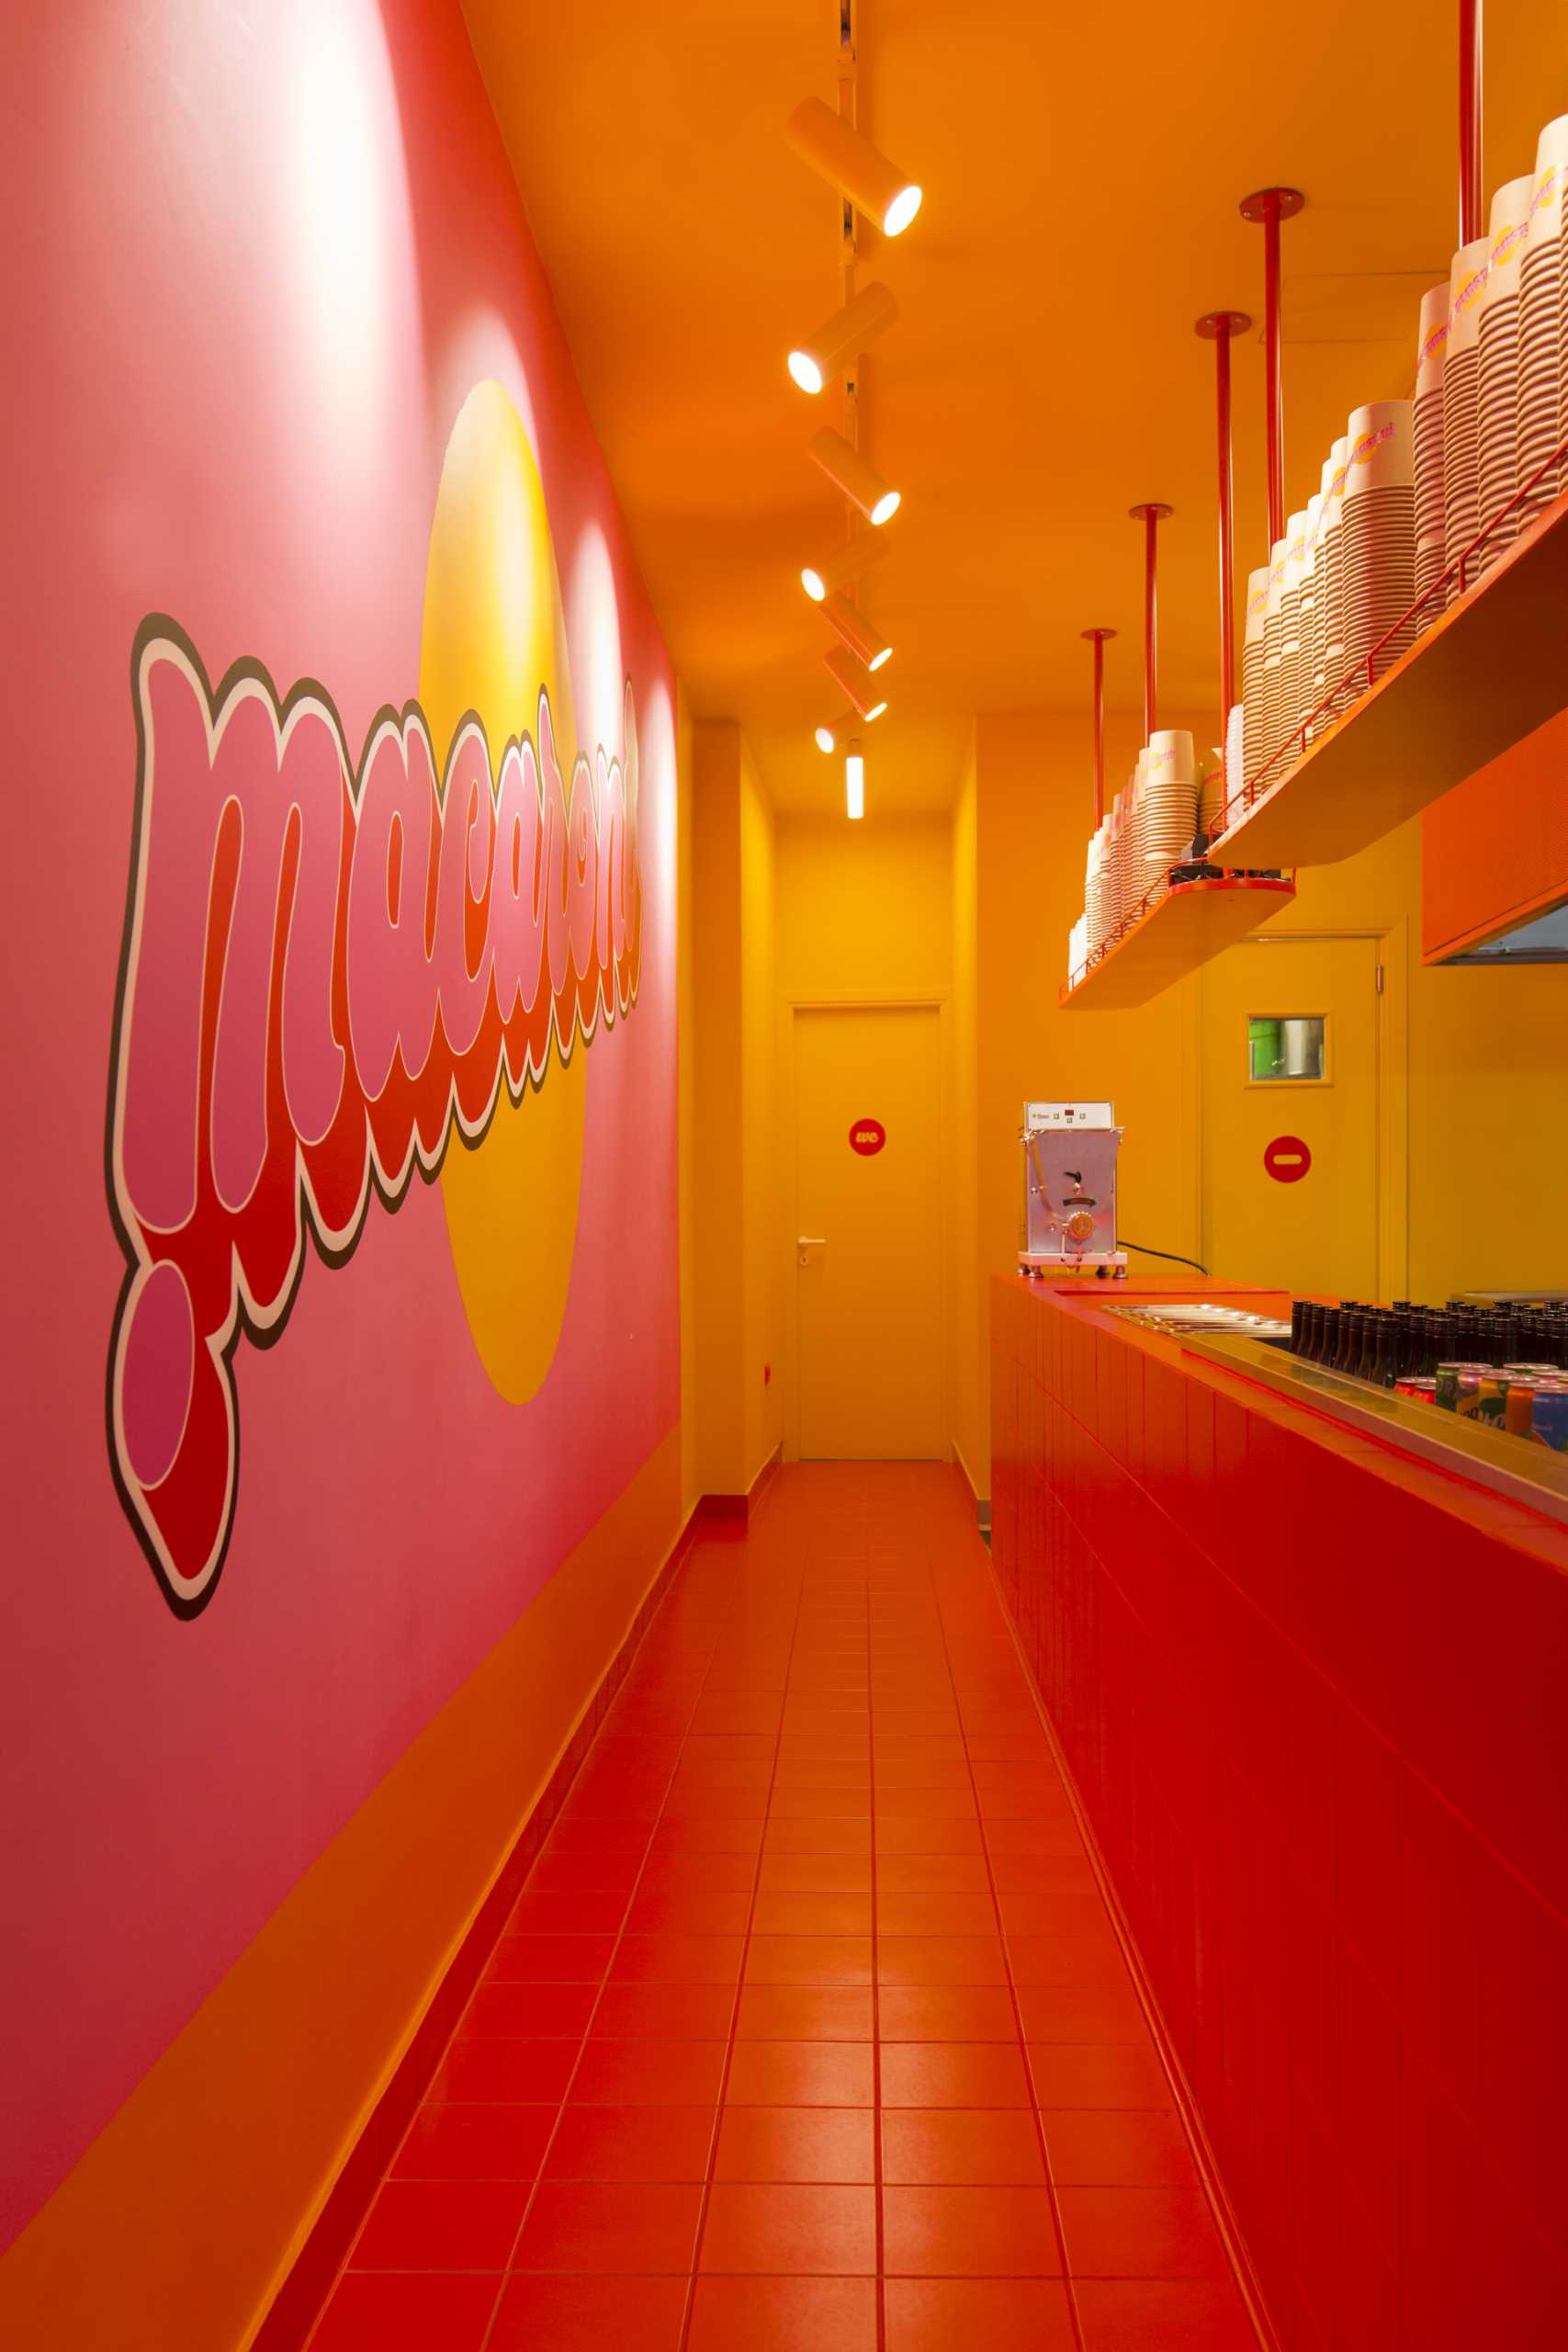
x=1166, y=938
x=1488, y=672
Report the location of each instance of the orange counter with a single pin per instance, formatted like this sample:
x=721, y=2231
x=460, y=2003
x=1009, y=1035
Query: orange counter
x=1314, y=1693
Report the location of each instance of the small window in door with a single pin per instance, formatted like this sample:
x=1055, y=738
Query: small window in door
x=1286, y=1048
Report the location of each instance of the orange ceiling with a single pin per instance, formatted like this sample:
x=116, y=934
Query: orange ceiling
x=1082, y=171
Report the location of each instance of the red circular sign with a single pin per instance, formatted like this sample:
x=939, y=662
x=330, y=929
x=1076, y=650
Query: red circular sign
x=867, y=1136
x=1287, y=1158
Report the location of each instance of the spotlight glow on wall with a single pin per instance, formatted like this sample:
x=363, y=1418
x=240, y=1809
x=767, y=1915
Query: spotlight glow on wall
x=848, y=471
x=818, y=359
x=846, y=158
x=857, y=632
x=856, y=555
x=855, y=782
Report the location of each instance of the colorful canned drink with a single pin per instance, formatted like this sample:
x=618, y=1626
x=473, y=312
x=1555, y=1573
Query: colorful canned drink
x=1518, y=1402
x=1457, y=1388
x=1549, y=1416
x=1492, y=1390
x=1421, y=1390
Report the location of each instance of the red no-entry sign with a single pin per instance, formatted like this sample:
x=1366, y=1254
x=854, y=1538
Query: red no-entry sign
x=1287, y=1159
x=867, y=1136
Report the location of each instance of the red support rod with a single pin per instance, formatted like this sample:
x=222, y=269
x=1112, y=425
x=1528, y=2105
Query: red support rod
x=1151, y=628
x=1270, y=206
x=1151, y=515
x=1097, y=637
x=1227, y=574
x=1471, y=219
x=1274, y=393
x=1219, y=327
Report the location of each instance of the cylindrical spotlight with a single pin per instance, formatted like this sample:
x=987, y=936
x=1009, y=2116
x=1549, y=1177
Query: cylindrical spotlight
x=856, y=555
x=846, y=157
x=848, y=471
x=817, y=360
x=856, y=631
x=828, y=738
x=863, y=691
x=854, y=780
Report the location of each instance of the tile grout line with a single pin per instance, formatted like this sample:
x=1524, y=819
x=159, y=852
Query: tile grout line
x=1243, y=2270
x=706, y=2198
x=1074, y=2314
x=509, y=2271
x=389, y=2171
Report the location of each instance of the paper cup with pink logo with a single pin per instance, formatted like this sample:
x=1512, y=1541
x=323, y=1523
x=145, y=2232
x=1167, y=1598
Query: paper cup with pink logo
x=1542, y=425
x=1497, y=374
x=1380, y=537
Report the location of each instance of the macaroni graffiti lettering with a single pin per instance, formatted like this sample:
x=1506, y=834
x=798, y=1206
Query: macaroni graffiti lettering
x=325, y=969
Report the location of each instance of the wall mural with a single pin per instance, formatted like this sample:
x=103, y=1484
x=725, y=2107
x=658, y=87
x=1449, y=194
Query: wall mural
x=334, y=968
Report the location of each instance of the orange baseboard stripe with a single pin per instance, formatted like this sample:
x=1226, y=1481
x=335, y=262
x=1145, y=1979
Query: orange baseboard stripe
x=185, y=2220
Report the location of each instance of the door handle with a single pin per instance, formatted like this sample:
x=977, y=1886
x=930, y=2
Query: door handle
x=804, y=1244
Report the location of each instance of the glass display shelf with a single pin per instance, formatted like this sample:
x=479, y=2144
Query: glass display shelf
x=1519, y=1467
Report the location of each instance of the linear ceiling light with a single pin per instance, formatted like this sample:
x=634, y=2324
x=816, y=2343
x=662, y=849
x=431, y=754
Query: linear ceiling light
x=846, y=157
x=856, y=631
x=863, y=691
x=848, y=471
x=856, y=555
x=854, y=780
x=817, y=360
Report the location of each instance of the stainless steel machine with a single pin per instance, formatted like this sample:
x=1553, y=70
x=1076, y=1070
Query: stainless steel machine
x=1069, y=1190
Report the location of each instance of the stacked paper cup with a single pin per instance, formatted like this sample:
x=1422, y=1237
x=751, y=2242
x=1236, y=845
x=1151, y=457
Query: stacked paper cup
x=1093, y=887
x=1251, y=683
x=1462, y=365
x=1379, y=538
x=1306, y=669
x=1078, y=947
x=1221, y=777
x=1291, y=662
x=1222, y=783
x=1431, y=527
x=1312, y=649
x=1134, y=882
x=1170, y=804
x=1543, y=327
x=1497, y=376
x=1115, y=870
x=1273, y=623
x=1330, y=659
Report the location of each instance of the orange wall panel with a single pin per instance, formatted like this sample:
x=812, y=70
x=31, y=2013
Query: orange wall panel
x=1496, y=849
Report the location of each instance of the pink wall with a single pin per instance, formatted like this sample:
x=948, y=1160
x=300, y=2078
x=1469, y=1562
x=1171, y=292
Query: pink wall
x=258, y=256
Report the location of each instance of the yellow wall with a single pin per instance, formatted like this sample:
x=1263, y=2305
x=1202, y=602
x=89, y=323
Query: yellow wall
x=1484, y=1069
x=759, y=1368
x=735, y=1412
x=964, y=1390
x=685, y=1001
x=866, y=914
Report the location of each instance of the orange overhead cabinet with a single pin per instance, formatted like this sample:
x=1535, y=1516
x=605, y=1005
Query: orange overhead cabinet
x=1495, y=857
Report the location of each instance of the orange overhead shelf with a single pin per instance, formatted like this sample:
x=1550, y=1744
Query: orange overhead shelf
x=1192, y=922
x=1489, y=672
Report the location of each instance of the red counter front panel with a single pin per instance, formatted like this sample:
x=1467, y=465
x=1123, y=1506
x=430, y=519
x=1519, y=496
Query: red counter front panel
x=1316, y=1702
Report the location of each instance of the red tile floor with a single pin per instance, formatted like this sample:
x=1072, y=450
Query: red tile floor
x=810, y=2032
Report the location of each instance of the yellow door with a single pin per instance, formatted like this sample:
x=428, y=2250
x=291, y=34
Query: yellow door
x=868, y=1249
x=1291, y=1115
